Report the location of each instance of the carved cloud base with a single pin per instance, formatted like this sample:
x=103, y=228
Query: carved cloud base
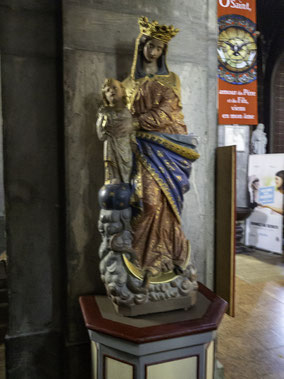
x=130, y=298
x=184, y=302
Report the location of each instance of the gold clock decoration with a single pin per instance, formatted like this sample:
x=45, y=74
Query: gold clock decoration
x=237, y=50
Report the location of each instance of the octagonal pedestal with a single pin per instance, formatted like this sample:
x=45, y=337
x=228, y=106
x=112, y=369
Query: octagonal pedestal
x=172, y=345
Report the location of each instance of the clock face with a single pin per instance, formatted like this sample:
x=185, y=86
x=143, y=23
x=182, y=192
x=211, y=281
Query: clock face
x=236, y=49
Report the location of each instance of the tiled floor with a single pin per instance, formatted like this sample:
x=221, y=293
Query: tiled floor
x=251, y=345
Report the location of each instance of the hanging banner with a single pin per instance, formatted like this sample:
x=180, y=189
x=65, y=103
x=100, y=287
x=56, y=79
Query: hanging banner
x=264, y=227
x=237, y=70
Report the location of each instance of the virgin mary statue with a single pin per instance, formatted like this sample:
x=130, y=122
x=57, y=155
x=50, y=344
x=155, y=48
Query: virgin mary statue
x=159, y=268
x=163, y=155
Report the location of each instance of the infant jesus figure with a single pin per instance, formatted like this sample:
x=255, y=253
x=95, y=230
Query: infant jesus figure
x=115, y=127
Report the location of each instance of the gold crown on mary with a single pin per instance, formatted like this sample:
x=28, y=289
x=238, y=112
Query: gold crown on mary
x=153, y=29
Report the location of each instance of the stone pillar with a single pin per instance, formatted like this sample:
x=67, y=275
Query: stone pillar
x=98, y=39
x=99, y=42
x=31, y=101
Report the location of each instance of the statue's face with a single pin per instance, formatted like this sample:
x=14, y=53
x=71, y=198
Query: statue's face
x=113, y=93
x=255, y=184
x=278, y=181
x=153, y=49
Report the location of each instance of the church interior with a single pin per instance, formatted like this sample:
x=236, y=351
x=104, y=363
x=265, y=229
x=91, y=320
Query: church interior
x=54, y=57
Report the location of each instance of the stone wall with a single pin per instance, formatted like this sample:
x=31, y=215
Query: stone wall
x=98, y=42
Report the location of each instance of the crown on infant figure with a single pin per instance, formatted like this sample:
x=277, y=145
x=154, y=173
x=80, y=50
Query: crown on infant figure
x=153, y=29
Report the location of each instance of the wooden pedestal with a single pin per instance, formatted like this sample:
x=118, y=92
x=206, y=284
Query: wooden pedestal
x=172, y=345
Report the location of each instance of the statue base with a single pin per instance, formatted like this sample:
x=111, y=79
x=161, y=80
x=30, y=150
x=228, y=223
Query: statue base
x=159, y=306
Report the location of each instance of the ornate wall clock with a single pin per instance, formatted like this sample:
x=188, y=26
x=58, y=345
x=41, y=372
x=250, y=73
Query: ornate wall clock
x=236, y=49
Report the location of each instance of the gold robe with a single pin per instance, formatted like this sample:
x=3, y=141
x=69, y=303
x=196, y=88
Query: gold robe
x=159, y=241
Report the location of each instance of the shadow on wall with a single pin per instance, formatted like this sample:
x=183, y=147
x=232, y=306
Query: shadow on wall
x=94, y=152
x=124, y=58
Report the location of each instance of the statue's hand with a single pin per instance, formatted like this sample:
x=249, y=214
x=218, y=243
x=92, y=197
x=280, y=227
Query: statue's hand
x=143, y=98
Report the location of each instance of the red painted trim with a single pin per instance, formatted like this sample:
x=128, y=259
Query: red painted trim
x=178, y=359
x=208, y=322
x=119, y=360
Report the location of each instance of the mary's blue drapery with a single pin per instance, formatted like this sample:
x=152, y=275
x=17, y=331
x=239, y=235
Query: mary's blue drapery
x=168, y=158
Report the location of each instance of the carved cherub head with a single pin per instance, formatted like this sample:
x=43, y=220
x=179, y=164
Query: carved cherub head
x=114, y=94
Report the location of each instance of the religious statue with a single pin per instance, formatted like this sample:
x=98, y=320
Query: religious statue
x=259, y=140
x=148, y=268
x=114, y=127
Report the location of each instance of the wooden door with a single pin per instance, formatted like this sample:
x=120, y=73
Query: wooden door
x=225, y=225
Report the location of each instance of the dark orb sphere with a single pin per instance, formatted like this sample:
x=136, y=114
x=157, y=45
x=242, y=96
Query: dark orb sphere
x=115, y=196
